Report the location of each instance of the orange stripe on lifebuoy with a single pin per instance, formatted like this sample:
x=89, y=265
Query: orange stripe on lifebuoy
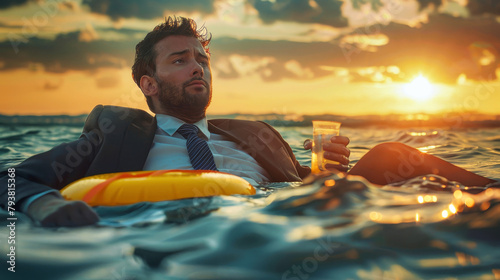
x=101, y=186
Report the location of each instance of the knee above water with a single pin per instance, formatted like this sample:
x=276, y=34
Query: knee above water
x=389, y=147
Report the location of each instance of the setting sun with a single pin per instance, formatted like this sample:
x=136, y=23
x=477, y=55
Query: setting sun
x=420, y=89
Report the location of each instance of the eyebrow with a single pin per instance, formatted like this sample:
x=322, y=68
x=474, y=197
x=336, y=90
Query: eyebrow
x=186, y=51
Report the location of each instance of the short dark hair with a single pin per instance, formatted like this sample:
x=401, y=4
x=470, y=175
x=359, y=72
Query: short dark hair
x=145, y=54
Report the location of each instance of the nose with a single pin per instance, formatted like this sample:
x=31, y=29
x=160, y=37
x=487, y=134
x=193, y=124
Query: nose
x=197, y=69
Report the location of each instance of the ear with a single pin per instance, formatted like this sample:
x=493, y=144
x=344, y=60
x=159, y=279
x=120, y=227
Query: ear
x=148, y=85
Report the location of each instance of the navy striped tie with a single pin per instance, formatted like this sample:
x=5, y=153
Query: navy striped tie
x=199, y=153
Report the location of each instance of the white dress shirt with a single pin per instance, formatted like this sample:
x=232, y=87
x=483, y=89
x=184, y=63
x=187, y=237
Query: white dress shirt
x=169, y=151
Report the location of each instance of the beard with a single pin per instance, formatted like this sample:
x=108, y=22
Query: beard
x=177, y=100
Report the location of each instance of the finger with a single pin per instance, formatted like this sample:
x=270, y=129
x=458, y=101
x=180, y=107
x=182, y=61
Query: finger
x=307, y=144
x=336, y=157
x=344, y=140
x=337, y=148
x=339, y=167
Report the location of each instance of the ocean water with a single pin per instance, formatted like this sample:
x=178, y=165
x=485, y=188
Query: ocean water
x=327, y=228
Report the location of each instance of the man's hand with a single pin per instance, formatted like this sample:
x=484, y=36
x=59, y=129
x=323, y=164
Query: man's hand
x=52, y=211
x=336, y=150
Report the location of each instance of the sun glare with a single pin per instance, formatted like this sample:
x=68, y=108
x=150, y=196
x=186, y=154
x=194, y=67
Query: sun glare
x=420, y=89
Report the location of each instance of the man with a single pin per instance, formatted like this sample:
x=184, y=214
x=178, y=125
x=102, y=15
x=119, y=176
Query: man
x=172, y=68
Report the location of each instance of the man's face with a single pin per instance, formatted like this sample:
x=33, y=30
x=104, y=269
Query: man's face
x=183, y=75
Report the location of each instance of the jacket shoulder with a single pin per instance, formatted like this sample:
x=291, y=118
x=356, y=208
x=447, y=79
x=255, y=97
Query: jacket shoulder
x=103, y=116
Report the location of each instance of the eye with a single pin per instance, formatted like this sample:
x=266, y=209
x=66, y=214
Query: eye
x=178, y=61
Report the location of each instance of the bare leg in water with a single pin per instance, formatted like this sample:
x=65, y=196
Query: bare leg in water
x=394, y=162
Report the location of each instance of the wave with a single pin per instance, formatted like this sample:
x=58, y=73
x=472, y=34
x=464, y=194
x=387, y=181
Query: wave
x=34, y=120
x=19, y=136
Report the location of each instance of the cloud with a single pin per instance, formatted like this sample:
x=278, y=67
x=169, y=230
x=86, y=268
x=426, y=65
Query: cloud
x=377, y=74
x=426, y=3
x=296, y=68
x=5, y=4
x=224, y=69
x=272, y=56
x=70, y=6
x=4, y=24
x=475, y=7
x=479, y=7
x=326, y=12
x=276, y=60
x=366, y=42
x=68, y=52
x=88, y=34
x=147, y=9
x=107, y=81
x=375, y=4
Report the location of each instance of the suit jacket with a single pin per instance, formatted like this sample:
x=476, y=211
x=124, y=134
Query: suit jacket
x=118, y=139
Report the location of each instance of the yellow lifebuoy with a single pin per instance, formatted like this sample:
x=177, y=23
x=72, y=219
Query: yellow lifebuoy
x=131, y=187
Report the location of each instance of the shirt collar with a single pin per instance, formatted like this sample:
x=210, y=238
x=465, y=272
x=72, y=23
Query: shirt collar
x=170, y=124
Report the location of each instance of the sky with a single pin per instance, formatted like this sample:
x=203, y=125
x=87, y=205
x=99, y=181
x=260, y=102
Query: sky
x=352, y=57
